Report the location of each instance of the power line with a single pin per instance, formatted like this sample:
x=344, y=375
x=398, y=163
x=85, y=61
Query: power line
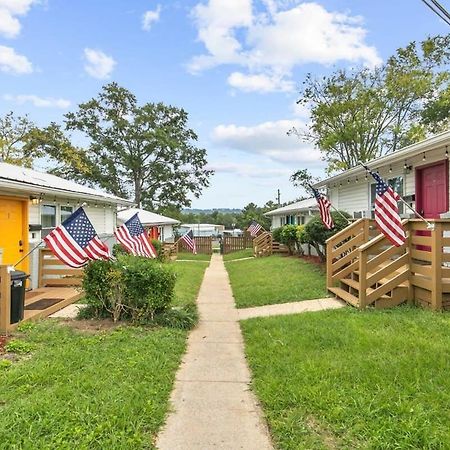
x=438, y=9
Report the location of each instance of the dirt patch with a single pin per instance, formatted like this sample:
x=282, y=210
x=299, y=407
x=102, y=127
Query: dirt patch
x=314, y=260
x=329, y=440
x=91, y=326
x=3, y=341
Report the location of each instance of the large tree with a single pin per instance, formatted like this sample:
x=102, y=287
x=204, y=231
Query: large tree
x=14, y=135
x=361, y=114
x=146, y=153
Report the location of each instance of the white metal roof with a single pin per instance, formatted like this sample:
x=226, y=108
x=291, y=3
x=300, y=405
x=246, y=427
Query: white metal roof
x=146, y=217
x=301, y=206
x=30, y=181
x=431, y=143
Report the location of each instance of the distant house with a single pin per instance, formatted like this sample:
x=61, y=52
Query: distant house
x=298, y=213
x=33, y=203
x=159, y=227
x=202, y=229
x=418, y=172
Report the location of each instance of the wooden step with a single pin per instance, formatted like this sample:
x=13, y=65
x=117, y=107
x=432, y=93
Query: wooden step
x=352, y=283
x=344, y=295
x=388, y=302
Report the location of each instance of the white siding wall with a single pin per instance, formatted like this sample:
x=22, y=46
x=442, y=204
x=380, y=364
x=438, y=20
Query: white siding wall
x=353, y=197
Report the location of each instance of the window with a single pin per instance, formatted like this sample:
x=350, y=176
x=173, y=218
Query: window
x=396, y=184
x=66, y=211
x=48, y=219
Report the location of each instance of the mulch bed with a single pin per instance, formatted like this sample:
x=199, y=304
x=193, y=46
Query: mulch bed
x=3, y=341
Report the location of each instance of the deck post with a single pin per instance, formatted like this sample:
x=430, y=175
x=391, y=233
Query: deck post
x=408, y=248
x=362, y=279
x=329, y=264
x=436, y=267
x=5, y=299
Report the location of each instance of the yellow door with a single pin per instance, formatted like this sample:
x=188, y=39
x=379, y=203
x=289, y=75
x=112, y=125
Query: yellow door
x=12, y=226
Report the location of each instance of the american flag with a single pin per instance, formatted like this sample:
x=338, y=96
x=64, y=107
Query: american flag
x=133, y=237
x=324, y=209
x=75, y=241
x=254, y=228
x=386, y=211
x=188, y=239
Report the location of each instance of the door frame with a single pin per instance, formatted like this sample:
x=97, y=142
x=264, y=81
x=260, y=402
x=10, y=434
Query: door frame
x=25, y=225
x=418, y=180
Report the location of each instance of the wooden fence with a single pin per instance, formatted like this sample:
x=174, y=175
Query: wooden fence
x=5, y=299
x=203, y=245
x=53, y=272
x=236, y=243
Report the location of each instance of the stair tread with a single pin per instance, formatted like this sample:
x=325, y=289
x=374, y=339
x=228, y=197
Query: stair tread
x=349, y=282
x=344, y=295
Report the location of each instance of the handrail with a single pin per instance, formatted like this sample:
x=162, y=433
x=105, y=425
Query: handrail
x=336, y=236
x=378, y=238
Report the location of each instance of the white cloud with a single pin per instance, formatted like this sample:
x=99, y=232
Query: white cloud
x=98, y=65
x=259, y=83
x=269, y=44
x=268, y=139
x=150, y=17
x=39, y=102
x=9, y=24
x=247, y=170
x=12, y=62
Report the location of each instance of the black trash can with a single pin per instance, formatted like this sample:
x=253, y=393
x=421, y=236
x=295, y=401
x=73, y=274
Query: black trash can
x=18, y=279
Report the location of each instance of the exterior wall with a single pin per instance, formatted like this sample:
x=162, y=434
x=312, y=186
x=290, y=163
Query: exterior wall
x=278, y=220
x=355, y=197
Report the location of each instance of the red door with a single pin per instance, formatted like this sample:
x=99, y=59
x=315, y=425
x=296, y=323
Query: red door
x=431, y=193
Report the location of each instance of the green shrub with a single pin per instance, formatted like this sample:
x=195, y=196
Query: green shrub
x=5, y=364
x=118, y=249
x=18, y=346
x=316, y=234
x=276, y=234
x=130, y=287
x=159, y=249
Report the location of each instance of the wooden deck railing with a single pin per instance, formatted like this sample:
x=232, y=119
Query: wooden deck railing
x=372, y=271
x=5, y=299
x=236, y=243
x=262, y=244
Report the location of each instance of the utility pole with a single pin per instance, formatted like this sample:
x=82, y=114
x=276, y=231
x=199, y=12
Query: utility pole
x=278, y=198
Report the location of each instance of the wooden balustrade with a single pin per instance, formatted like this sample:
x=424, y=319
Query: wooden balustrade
x=5, y=299
x=262, y=244
x=54, y=273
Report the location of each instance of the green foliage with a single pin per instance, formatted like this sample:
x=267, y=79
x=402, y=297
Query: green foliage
x=276, y=234
x=316, y=234
x=159, y=249
x=119, y=249
x=289, y=237
x=5, y=364
x=131, y=287
x=19, y=346
x=361, y=114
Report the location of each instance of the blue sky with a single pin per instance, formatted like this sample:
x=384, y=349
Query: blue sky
x=234, y=65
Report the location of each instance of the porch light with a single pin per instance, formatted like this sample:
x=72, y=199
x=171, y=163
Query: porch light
x=35, y=200
x=390, y=169
x=348, y=181
x=356, y=179
x=424, y=157
x=446, y=151
x=405, y=166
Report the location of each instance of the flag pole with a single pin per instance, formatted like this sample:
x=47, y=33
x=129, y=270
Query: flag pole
x=38, y=245
x=342, y=215
x=430, y=226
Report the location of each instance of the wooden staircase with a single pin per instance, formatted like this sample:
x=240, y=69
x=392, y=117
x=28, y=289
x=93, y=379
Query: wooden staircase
x=262, y=244
x=366, y=271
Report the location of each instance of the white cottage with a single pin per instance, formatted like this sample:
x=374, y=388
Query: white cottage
x=419, y=173
x=298, y=213
x=160, y=227
x=33, y=203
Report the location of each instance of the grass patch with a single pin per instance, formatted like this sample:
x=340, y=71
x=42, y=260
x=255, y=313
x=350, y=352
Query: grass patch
x=191, y=257
x=350, y=379
x=247, y=253
x=189, y=279
x=96, y=391
x=275, y=279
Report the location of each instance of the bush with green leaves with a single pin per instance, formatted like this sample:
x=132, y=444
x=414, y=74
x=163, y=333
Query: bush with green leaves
x=316, y=234
x=118, y=249
x=159, y=249
x=276, y=234
x=131, y=287
x=289, y=238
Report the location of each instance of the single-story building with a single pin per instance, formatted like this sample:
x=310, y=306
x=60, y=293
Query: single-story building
x=418, y=172
x=33, y=203
x=298, y=213
x=202, y=229
x=160, y=227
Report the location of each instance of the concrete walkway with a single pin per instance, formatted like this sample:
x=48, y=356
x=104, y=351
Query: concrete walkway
x=213, y=407
x=290, y=308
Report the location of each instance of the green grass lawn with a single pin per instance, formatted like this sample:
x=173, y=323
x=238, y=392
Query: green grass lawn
x=275, y=279
x=247, y=253
x=192, y=257
x=189, y=279
x=107, y=390
x=353, y=380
